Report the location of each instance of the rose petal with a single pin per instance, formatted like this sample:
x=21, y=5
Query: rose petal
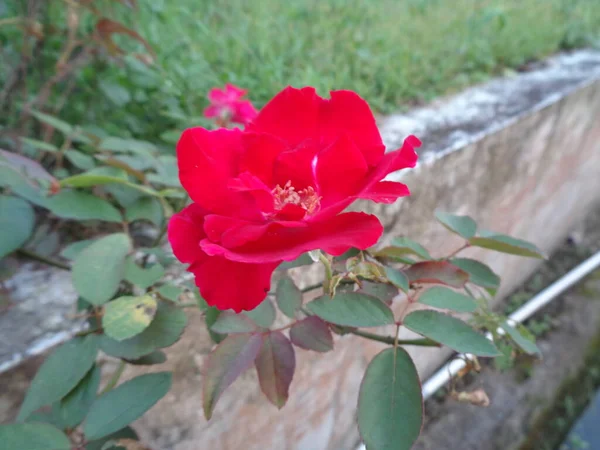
x=185, y=231
x=335, y=236
x=232, y=285
x=296, y=166
x=234, y=92
x=347, y=113
x=231, y=231
x=261, y=150
x=213, y=111
x=243, y=112
x=217, y=96
x=402, y=158
x=340, y=169
x=207, y=161
x=385, y=192
x=246, y=182
x=291, y=115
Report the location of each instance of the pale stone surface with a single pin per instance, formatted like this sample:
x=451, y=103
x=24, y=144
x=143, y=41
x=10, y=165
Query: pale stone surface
x=521, y=155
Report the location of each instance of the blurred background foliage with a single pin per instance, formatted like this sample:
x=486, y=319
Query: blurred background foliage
x=393, y=53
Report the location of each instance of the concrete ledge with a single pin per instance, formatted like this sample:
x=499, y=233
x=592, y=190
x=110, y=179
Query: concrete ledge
x=519, y=154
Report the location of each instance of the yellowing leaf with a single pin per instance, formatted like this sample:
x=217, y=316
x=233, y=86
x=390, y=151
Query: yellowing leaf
x=127, y=316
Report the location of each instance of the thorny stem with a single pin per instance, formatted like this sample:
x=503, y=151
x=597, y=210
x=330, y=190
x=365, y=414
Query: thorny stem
x=115, y=377
x=44, y=259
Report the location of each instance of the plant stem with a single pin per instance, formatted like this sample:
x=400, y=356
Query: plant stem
x=89, y=331
x=328, y=271
x=458, y=250
x=115, y=377
x=422, y=342
x=161, y=234
x=44, y=259
x=187, y=305
x=312, y=287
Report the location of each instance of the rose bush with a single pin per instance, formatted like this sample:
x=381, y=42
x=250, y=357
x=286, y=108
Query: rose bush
x=261, y=195
x=277, y=189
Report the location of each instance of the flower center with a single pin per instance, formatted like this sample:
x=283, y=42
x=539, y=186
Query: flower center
x=305, y=198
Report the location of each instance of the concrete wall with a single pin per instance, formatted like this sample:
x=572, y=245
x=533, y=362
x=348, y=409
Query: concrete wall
x=520, y=154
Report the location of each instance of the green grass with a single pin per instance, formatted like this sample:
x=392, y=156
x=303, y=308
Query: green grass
x=393, y=52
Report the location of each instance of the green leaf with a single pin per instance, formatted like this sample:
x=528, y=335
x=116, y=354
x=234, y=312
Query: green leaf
x=54, y=122
x=523, y=342
x=124, y=404
x=17, y=220
x=441, y=297
x=288, y=296
x=80, y=160
x=263, y=315
x=166, y=328
x=127, y=145
x=352, y=309
x=74, y=248
x=402, y=246
x=507, y=244
x=143, y=278
x=74, y=407
x=156, y=357
x=53, y=381
x=145, y=208
x=94, y=178
x=312, y=333
x=161, y=255
x=210, y=317
x=100, y=267
x=462, y=225
x=125, y=433
x=82, y=206
x=49, y=416
x=275, y=365
x=390, y=403
x=440, y=272
x=21, y=185
x=225, y=363
x=171, y=292
x=302, y=260
x=383, y=291
x=32, y=436
x=167, y=172
x=127, y=316
x=116, y=93
x=230, y=322
x=479, y=273
x=40, y=145
x=451, y=332
x=397, y=278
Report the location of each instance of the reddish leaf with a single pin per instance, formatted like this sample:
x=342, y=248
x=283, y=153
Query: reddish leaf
x=226, y=362
x=440, y=272
x=26, y=166
x=105, y=28
x=275, y=365
x=312, y=333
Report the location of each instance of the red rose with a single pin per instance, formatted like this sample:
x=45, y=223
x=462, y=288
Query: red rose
x=227, y=105
x=277, y=189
